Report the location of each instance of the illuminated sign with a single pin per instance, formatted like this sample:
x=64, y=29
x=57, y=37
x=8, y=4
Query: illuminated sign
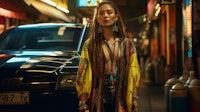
x=88, y=3
x=187, y=26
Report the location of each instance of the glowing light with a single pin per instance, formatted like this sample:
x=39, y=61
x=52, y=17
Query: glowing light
x=157, y=11
x=50, y=2
x=135, y=40
x=11, y=14
x=88, y=3
x=3, y=55
x=63, y=9
x=56, y=5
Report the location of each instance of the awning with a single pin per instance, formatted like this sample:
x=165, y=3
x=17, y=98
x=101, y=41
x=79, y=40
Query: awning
x=11, y=9
x=48, y=10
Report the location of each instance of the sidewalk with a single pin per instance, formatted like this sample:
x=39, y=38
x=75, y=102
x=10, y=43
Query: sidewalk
x=151, y=97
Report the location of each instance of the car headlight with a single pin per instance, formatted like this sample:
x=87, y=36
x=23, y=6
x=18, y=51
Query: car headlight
x=66, y=81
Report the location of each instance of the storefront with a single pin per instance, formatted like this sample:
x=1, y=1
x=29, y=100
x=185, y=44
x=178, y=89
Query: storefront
x=10, y=10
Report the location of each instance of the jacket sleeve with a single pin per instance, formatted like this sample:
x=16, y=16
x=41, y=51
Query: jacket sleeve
x=133, y=78
x=84, y=74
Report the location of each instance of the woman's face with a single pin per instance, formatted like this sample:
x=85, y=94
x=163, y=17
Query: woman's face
x=106, y=15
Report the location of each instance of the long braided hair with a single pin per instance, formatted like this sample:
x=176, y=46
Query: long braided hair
x=96, y=38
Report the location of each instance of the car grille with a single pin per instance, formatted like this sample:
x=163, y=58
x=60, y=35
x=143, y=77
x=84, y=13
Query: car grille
x=28, y=83
x=50, y=74
x=10, y=83
x=39, y=82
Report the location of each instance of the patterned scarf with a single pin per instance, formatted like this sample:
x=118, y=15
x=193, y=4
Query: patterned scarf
x=126, y=48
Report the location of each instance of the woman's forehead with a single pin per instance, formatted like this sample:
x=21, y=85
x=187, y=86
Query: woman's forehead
x=105, y=7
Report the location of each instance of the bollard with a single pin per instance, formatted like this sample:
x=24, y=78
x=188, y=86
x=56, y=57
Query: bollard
x=178, y=100
x=156, y=71
x=149, y=72
x=168, y=72
x=159, y=66
x=170, y=82
x=142, y=67
x=184, y=77
x=194, y=95
x=190, y=78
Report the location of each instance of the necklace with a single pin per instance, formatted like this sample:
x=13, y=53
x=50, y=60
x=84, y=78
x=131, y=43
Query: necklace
x=111, y=52
x=110, y=44
x=111, y=49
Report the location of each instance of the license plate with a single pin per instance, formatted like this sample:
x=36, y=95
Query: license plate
x=14, y=98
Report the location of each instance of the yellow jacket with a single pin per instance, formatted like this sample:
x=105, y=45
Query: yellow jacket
x=84, y=75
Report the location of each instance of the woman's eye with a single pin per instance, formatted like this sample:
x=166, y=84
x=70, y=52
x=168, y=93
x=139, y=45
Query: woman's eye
x=106, y=12
x=109, y=12
x=101, y=13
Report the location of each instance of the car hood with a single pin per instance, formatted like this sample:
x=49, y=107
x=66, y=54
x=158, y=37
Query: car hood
x=38, y=70
x=18, y=63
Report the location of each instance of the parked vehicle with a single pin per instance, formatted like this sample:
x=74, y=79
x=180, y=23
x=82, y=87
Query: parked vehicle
x=38, y=65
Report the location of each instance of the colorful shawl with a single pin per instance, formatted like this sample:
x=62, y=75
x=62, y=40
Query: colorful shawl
x=127, y=79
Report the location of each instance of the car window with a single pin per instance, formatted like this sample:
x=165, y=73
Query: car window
x=52, y=38
x=4, y=39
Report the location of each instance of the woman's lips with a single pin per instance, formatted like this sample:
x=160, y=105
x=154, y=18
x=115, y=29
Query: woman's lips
x=106, y=21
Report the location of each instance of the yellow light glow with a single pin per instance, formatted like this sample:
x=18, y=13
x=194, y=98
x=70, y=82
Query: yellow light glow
x=56, y=5
x=50, y=2
x=62, y=9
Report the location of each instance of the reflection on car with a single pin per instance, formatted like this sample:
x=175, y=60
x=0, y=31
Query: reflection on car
x=38, y=65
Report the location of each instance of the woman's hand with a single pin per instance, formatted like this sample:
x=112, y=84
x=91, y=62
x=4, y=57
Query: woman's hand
x=83, y=106
x=135, y=100
x=135, y=106
x=84, y=97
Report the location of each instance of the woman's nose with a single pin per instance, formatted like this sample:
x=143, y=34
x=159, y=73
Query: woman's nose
x=105, y=14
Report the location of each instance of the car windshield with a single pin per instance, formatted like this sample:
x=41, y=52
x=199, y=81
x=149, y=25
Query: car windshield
x=51, y=37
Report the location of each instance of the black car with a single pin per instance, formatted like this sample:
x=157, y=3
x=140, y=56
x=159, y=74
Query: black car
x=38, y=65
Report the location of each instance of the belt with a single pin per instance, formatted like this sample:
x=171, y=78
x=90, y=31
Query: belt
x=107, y=81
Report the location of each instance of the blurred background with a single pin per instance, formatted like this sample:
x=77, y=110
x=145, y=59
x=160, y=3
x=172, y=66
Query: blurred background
x=166, y=30
x=166, y=34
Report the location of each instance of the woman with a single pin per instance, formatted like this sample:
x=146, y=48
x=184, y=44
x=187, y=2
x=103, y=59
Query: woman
x=108, y=74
